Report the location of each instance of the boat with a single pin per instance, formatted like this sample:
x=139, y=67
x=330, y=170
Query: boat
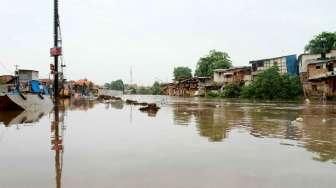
x=25, y=93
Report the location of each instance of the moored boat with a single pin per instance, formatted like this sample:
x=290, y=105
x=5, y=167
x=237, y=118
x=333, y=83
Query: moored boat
x=28, y=102
x=25, y=93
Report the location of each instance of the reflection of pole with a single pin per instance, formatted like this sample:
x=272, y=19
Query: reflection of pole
x=131, y=114
x=57, y=146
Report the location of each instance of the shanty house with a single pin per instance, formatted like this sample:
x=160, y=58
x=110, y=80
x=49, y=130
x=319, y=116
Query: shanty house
x=305, y=59
x=321, y=79
x=238, y=75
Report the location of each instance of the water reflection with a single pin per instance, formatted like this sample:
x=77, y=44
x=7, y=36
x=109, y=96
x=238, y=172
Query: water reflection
x=209, y=120
x=319, y=132
x=214, y=120
x=118, y=105
x=57, y=133
x=77, y=104
x=22, y=117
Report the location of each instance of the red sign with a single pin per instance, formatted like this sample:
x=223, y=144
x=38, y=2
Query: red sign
x=55, y=51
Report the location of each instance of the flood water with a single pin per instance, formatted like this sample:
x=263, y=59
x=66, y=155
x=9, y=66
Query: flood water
x=189, y=142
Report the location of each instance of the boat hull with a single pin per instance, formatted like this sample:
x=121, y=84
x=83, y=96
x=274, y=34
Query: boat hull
x=28, y=102
x=6, y=104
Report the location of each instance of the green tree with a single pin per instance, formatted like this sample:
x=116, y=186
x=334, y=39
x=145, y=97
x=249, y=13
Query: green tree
x=214, y=60
x=271, y=85
x=322, y=43
x=181, y=73
x=156, y=89
x=231, y=91
x=117, y=85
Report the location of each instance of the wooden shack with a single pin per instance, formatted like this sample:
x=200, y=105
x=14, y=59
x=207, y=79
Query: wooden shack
x=188, y=87
x=321, y=79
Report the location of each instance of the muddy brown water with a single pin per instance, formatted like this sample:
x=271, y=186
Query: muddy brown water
x=189, y=142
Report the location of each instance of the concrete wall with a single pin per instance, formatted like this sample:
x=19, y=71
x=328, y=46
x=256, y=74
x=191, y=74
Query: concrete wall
x=305, y=59
x=218, y=77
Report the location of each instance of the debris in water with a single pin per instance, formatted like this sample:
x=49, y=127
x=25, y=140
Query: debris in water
x=307, y=101
x=108, y=97
x=299, y=119
x=152, y=107
x=132, y=102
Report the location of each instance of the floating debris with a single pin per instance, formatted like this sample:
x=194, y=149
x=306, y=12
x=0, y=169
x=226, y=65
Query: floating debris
x=132, y=102
x=143, y=103
x=108, y=97
x=152, y=107
x=299, y=119
x=307, y=101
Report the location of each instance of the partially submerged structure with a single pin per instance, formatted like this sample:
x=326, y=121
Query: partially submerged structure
x=286, y=64
x=189, y=87
x=321, y=78
x=236, y=75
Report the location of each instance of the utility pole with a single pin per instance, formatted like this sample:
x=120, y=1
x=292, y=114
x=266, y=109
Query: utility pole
x=56, y=51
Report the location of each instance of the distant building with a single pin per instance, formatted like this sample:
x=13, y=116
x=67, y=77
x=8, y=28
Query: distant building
x=286, y=64
x=239, y=75
x=321, y=78
x=305, y=59
x=26, y=75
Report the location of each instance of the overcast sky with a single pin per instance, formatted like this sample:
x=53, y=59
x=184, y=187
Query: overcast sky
x=103, y=39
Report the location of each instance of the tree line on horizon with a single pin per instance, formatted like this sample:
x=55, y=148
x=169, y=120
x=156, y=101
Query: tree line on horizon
x=119, y=85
